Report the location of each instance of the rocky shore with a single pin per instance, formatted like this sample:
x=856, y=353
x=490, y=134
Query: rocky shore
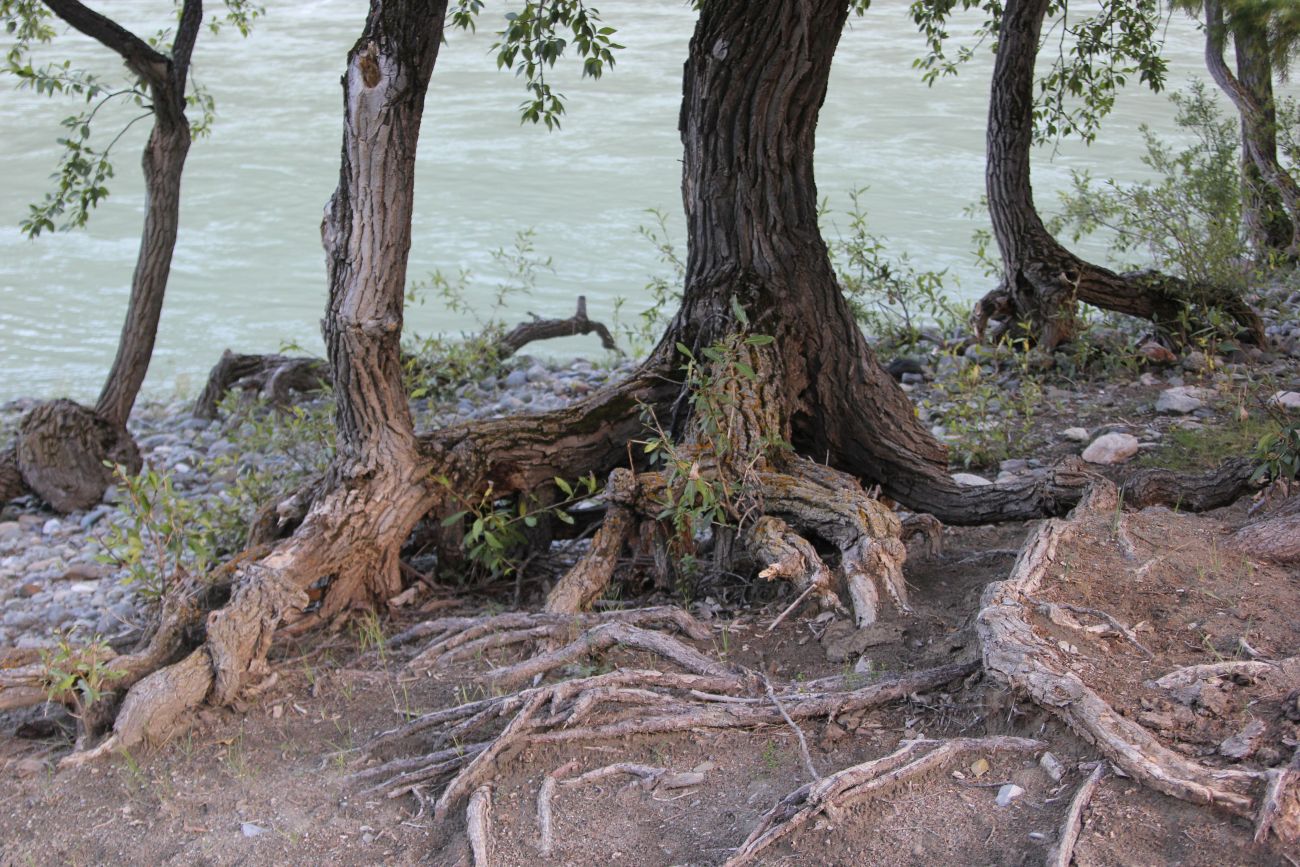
x=56, y=578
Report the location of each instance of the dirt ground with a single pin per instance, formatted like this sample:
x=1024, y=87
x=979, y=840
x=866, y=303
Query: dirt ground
x=266, y=786
x=267, y=783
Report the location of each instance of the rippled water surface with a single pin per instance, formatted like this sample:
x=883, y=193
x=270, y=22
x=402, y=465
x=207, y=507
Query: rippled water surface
x=249, y=272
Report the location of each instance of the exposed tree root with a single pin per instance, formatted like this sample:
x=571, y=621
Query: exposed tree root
x=861, y=781
x=478, y=825
x=807, y=500
x=1275, y=535
x=546, y=794
x=1015, y=653
x=1184, y=684
x=1062, y=852
x=622, y=703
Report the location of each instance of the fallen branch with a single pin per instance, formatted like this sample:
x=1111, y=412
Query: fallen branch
x=547, y=329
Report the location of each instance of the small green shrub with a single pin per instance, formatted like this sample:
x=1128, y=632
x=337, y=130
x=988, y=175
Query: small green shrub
x=1187, y=221
x=79, y=672
x=891, y=298
x=161, y=536
x=494, y=540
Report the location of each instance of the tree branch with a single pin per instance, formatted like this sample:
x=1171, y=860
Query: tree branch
x=138, y=54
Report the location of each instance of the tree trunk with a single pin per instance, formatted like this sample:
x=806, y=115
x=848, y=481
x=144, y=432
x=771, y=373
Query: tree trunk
x=163, y=163
x=62, y=447
x=1042, y=281
x=1257, y=117
x=1266, y=221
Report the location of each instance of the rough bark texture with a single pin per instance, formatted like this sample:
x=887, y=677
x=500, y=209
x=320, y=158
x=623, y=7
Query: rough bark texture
x=1275, y=536
x=11, y=480
x=378, y=485
x=1257, y=121
x=1267, y=224
x=1042, y=281
x=61, y=450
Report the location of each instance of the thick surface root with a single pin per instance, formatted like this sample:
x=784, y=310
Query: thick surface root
x=1036, y=667
x=861, y=781
x=806, y=501
x=1062, y=851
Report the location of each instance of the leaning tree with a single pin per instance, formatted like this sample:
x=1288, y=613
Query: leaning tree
x=64, y=451
x=1264, y=34
x=1042, y=281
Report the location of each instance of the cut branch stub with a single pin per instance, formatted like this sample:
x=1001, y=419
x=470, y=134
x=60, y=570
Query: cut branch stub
x=61, y=452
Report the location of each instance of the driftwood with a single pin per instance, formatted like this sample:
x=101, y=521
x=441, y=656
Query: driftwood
x=548, y=329
x=275, y=376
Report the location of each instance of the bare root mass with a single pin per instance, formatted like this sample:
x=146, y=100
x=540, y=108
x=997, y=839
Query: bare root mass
x=1062, y=664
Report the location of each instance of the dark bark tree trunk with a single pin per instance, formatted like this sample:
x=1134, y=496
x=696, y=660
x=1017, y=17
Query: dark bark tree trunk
x=1042, y=281
x=62, y=448
x=1267, y=224
x=1258, y=119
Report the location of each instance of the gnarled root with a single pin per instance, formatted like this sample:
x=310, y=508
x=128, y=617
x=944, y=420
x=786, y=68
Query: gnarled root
x=831, y=505
x=861, y=781
x=620, y=704
x=804, y=501
x=1031, y=664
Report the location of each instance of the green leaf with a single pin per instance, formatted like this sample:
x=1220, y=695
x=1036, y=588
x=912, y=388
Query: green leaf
x=455, y=518
x=759, y=339
x=739, y=312
x=564, y=486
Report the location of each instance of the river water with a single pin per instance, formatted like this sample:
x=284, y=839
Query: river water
x=249, y=273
